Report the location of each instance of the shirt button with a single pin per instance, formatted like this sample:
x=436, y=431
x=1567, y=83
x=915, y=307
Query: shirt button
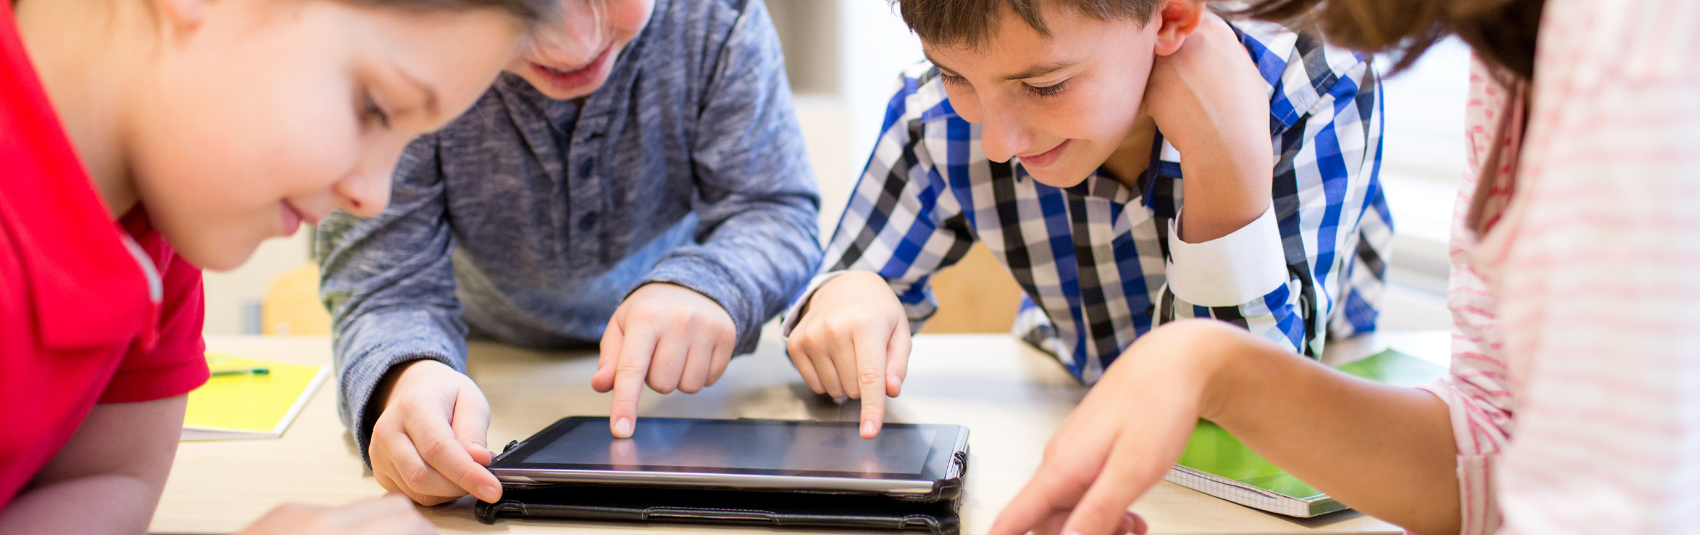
x=587, y=222
x=585, y=167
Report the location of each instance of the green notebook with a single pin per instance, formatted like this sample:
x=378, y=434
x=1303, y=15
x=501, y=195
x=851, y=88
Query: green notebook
x=1217, y=464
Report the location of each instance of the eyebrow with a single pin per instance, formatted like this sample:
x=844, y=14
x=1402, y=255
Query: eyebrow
x=430, y=93
x=1031, y=72
x=1040, y=70
x=935, y=62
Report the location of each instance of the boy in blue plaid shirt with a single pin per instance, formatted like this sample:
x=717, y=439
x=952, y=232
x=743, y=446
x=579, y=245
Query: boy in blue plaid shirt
x=1058, y=133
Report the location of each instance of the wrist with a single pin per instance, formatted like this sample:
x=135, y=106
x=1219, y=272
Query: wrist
x=1228, y=175
x=860, y=286
x=677, y=296
x=1199, y=356
x=1231, y=376
x=395, y=380
x=1223, y=193
x=1187, y=360
x=1216, y=393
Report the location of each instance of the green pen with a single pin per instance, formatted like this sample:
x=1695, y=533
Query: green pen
x=241, y=371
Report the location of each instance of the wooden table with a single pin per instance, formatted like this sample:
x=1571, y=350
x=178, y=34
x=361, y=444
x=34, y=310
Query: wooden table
x=1010, y=396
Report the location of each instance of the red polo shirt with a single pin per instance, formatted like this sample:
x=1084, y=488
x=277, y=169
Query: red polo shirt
x=91, y=311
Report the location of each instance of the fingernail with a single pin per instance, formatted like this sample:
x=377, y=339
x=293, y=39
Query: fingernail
x=623, y=427
x=488, y=493
x=867, y=427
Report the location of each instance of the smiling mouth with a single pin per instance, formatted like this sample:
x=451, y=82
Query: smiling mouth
x=303, y=215
x=577, y=76
x=1044, y=158
x=559, y=72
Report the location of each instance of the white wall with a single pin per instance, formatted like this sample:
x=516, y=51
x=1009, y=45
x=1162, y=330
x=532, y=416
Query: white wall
x=843, y=58
x=1422, y=162
x=875, y=46
x=233, y=297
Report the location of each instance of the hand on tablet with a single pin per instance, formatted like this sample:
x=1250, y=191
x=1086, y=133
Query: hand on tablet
x=667, y=336
x=853, y=341
x=388, y=515
x=429, y=443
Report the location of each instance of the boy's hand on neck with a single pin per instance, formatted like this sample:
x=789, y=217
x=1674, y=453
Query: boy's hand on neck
x=1209, y=101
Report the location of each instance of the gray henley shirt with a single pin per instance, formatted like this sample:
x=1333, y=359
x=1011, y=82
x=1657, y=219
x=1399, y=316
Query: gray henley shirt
x=528, y=220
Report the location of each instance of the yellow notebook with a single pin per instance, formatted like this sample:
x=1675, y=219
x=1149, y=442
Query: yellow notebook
x=259, y=400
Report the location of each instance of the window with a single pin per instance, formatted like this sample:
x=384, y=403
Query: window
x=1422, y=163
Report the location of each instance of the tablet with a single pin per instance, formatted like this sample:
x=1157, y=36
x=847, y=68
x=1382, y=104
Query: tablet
x=914, y=460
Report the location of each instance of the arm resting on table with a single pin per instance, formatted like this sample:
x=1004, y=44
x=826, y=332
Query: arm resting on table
x=108, y=477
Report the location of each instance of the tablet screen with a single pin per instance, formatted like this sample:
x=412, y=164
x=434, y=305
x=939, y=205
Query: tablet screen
x=735, y=445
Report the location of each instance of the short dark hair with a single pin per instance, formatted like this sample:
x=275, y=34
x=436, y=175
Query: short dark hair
x=973, y=22
x=531, y=12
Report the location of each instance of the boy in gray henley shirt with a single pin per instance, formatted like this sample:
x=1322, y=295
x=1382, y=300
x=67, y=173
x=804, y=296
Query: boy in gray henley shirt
x=638, y=180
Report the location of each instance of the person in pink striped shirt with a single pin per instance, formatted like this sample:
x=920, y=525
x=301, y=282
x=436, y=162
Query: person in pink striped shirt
x=1573, y=402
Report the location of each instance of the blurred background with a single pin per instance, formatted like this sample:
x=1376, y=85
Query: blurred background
x=843, y=58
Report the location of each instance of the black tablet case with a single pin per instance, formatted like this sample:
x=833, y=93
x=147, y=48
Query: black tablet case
x=934, y=513
x=733, y=507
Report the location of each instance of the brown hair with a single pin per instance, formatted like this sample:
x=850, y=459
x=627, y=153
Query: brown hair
x=973, y=22
x=1502, y=32
x=531, y=12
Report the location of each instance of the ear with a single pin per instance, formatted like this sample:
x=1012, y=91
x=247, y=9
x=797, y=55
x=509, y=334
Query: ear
x=183, y=14
x=1175, y=20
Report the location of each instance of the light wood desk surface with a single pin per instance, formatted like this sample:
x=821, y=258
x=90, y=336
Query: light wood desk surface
x=1010, y=396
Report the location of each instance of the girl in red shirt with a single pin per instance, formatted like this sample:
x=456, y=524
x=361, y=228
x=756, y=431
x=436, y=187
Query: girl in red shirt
x=143, y=139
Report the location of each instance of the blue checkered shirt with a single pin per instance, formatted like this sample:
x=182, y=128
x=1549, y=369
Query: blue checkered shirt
x=1092, y=257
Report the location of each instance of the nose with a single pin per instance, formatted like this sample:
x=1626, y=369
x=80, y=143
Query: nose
x=1002, y=135
x=366, y=192
x=577, y=33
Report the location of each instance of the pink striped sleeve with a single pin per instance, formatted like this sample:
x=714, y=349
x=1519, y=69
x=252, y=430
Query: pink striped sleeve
x=1600, y=295
x=1476, y=391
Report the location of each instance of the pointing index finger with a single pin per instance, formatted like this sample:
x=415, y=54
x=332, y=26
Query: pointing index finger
x=870, y=380
x=629, y=375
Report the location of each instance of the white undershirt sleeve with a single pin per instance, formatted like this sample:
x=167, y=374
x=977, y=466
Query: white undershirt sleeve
x=1232, y=270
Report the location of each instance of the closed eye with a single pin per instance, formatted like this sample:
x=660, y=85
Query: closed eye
x=1045, y=90
x=371, y=113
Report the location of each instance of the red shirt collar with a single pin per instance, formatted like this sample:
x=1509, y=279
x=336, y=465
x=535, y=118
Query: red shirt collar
x=86, y=287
